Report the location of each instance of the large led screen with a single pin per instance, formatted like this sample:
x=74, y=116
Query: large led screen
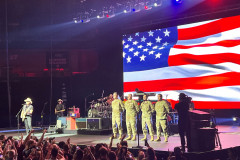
x=200, y=59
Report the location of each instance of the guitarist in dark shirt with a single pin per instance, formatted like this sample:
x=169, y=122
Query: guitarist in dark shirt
x=59, y=109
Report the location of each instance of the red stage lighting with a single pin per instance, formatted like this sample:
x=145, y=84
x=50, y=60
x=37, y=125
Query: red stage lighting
x=146, y=7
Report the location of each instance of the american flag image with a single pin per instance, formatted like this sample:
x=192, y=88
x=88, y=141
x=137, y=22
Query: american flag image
x=200, y=59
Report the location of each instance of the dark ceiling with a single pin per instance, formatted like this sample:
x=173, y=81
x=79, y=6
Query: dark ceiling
x=39, y=21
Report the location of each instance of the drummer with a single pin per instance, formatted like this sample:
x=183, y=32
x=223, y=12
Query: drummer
x=110, y=99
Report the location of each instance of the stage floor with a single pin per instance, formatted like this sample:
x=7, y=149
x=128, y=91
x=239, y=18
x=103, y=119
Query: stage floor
x=229, y=136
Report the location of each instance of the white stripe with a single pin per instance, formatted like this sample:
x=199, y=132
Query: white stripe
x=226, y=93
x=195, y=24
x=233, y=34
x=205, y=50
x=183, y=71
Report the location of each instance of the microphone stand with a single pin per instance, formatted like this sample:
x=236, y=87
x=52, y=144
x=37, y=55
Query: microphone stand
x=85, y=106
x=17, y=115
x=139, y=114
x=42, y=113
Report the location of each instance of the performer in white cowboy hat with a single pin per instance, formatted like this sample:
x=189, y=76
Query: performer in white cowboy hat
x=26, y=114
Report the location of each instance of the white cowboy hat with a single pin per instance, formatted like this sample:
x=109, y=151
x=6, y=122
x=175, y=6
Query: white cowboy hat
x=59, y=100
x=28, y=100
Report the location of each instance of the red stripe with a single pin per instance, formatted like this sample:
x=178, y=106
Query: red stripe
x=205, y=82
x=211, y=28
x=184, y=59
x=225, y=43
x=211, y=104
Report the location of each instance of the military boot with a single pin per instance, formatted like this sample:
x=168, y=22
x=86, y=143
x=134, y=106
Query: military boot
x=144, y=138
x=158, y=139
x=120, y=136
x=166, y=139
x=128, y=138
x=152, y=138
x=114, y=136
x=134, y=138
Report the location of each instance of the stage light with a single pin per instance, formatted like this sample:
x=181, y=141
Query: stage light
x=125, y=11
x=155, y=4
x=177, y=1
x=75, y=21
x=107, y=15
x=146, y=7
x=234, y=119
x=98, y=16
x=133, y=9
x=82, y=21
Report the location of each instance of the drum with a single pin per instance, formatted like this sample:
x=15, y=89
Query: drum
x=93, y=113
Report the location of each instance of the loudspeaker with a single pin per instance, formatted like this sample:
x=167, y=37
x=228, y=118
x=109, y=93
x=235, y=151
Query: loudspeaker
x=81, y=123
x=94, y=123
x=203, y=139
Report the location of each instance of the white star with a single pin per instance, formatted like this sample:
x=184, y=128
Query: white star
x=158, y=39
x=161, y=48
x=135, y=42
x=124, y=54
x=129, y=59
x=158, y=55
x=126, y=46
x=142, y=58
x=140, y=46
x=165, y=44
x=143, y=39
x=166, y=33
x=155, y=47
x=149, y=44
x=150, y=33
x=137, y=34
x=151, y=52
x=145, y=50
x=131, y=49
x=123, y=42
x=136, y=53
x=130, y=38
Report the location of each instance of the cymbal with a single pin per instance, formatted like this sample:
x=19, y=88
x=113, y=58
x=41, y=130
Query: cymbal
x=92, y=102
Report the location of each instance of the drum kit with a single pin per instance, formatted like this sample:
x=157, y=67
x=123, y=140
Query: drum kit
x=101, y=108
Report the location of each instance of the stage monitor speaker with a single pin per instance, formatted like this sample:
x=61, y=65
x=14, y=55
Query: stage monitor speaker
x=51, y=129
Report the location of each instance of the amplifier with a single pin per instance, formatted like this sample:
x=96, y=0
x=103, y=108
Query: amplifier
x=200, y=124
x=94, y=123
x=199, y=115
x=81, y=123
x=203, y=139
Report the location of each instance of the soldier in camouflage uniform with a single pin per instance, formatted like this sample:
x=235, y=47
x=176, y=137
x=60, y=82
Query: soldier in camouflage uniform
x=147, y=109
x=117, y=109
x=162, y=109
x=132, y=109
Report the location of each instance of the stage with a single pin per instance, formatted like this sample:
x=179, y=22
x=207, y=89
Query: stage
x=229, y=136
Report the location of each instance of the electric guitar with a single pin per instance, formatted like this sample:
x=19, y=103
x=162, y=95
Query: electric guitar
x=23, y=114
x=59, y=111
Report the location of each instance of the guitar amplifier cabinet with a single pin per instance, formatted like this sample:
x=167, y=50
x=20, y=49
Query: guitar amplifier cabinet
x=81, y=123
x=94, y=123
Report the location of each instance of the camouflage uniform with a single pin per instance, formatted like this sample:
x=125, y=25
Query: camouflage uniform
x=132, y=108
x=117, y=109
x=147, y=110
x=162, y=109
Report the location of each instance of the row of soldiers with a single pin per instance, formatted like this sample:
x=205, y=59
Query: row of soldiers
x=132, y=108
